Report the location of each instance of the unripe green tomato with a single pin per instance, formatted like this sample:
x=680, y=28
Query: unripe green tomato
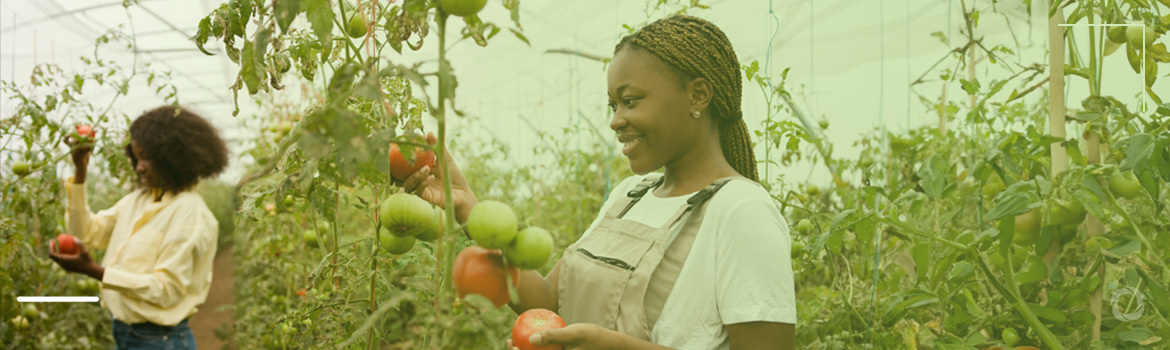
x=462, y=8
x=357, y=26
x=804, y=226
x=20, y=168
x=1010, y=337
x=797, y=248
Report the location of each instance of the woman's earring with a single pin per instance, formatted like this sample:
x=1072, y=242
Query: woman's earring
x=696, y=114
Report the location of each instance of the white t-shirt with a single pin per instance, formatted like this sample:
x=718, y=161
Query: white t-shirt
x=739, y=269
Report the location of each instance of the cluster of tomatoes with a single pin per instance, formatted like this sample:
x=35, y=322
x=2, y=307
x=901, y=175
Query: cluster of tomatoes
x=501, y=249
x=84, y=136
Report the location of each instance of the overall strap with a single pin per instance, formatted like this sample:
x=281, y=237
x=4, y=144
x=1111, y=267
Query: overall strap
x=634, y=195
x=678, y=248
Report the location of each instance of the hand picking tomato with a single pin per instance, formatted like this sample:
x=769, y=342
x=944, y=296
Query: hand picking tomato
x=66, y=244
x=535, y=321
x=481, y=271
x=85, y=132
x=401, y=168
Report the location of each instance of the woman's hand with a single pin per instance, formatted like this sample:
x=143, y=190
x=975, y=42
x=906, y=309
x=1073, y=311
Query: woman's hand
x=587, y=336
x=80, y=153
x=427, y=183
x=80, y=263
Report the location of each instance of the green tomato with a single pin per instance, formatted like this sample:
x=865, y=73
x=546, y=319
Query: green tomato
x=20, y=168
x=1066, y=213
x=1125, y=185
x=30, y=311
x=797, y=248
x=462, y=8
x=804, y=226
x=1092, y=244
x=357, y=26
x=431, y=232
x=20, y=322
x=1027, y=228
x=1116, y=35
x=310, y=238
x=1140, y=36
x=1010, y=337
x=1034, y=270
x=492, y=224
x=531, y=248
x=406, y=215
x=397, y=245
x=994, y=186
x=812, y=190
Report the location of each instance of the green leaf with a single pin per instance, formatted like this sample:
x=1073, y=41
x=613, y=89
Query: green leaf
x=970, y=86
x=520, y=36
x=921, y=253
x=1010, y=205
x=1157, y=291
x=202, y=35
x=285, y=12
x=934, y=176
x=1138, y=152
x=1127, y=248
x=1048, y=313
x=249, y=72
x=320, y=16
x=961, y=271
x=1136, y=335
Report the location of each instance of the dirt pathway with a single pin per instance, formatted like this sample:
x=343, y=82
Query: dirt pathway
x=204, y=323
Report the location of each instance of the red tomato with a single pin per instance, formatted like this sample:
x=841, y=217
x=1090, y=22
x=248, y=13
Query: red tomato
x=481, y=271
x=66, y=245
x=535, y=321
x=401, y=168
x=86, y=131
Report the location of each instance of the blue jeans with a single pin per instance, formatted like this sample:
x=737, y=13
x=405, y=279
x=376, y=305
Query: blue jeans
x=149, y=336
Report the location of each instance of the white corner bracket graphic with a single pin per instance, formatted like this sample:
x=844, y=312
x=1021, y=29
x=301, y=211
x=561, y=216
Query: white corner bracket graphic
x=57, y=299
x=1145, y=54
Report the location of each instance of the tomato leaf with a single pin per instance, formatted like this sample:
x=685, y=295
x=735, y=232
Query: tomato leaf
x=320, y=16
x=1157, y=290
x=921, y=253
x=1138, y=151
x=934, y=176
x=286, y=11
x=202, y=35
x=1048, y=313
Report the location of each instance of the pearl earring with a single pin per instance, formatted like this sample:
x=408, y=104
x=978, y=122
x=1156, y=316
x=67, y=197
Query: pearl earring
x=696, y=114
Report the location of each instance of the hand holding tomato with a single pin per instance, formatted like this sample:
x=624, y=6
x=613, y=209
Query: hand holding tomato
x=82, y=145
x=531, y=322
x=426, y=183
x=66, y=244
x=578, y=336
x=79, y=262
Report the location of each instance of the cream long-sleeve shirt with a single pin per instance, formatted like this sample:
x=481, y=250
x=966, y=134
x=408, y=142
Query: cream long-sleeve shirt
x=159, y=254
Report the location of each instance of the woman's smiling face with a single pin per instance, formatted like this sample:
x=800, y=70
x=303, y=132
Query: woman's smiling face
x=651, y=111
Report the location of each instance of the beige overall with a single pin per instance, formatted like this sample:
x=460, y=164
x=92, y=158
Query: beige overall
x=620, y=275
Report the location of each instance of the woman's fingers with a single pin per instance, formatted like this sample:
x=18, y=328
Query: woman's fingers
x=413, y=181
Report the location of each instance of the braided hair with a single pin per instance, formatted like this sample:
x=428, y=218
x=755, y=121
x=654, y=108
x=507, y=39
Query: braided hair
x=695, y=48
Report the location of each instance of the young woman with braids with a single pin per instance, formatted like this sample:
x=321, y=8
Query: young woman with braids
x=701, y=261
x=160, y=240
